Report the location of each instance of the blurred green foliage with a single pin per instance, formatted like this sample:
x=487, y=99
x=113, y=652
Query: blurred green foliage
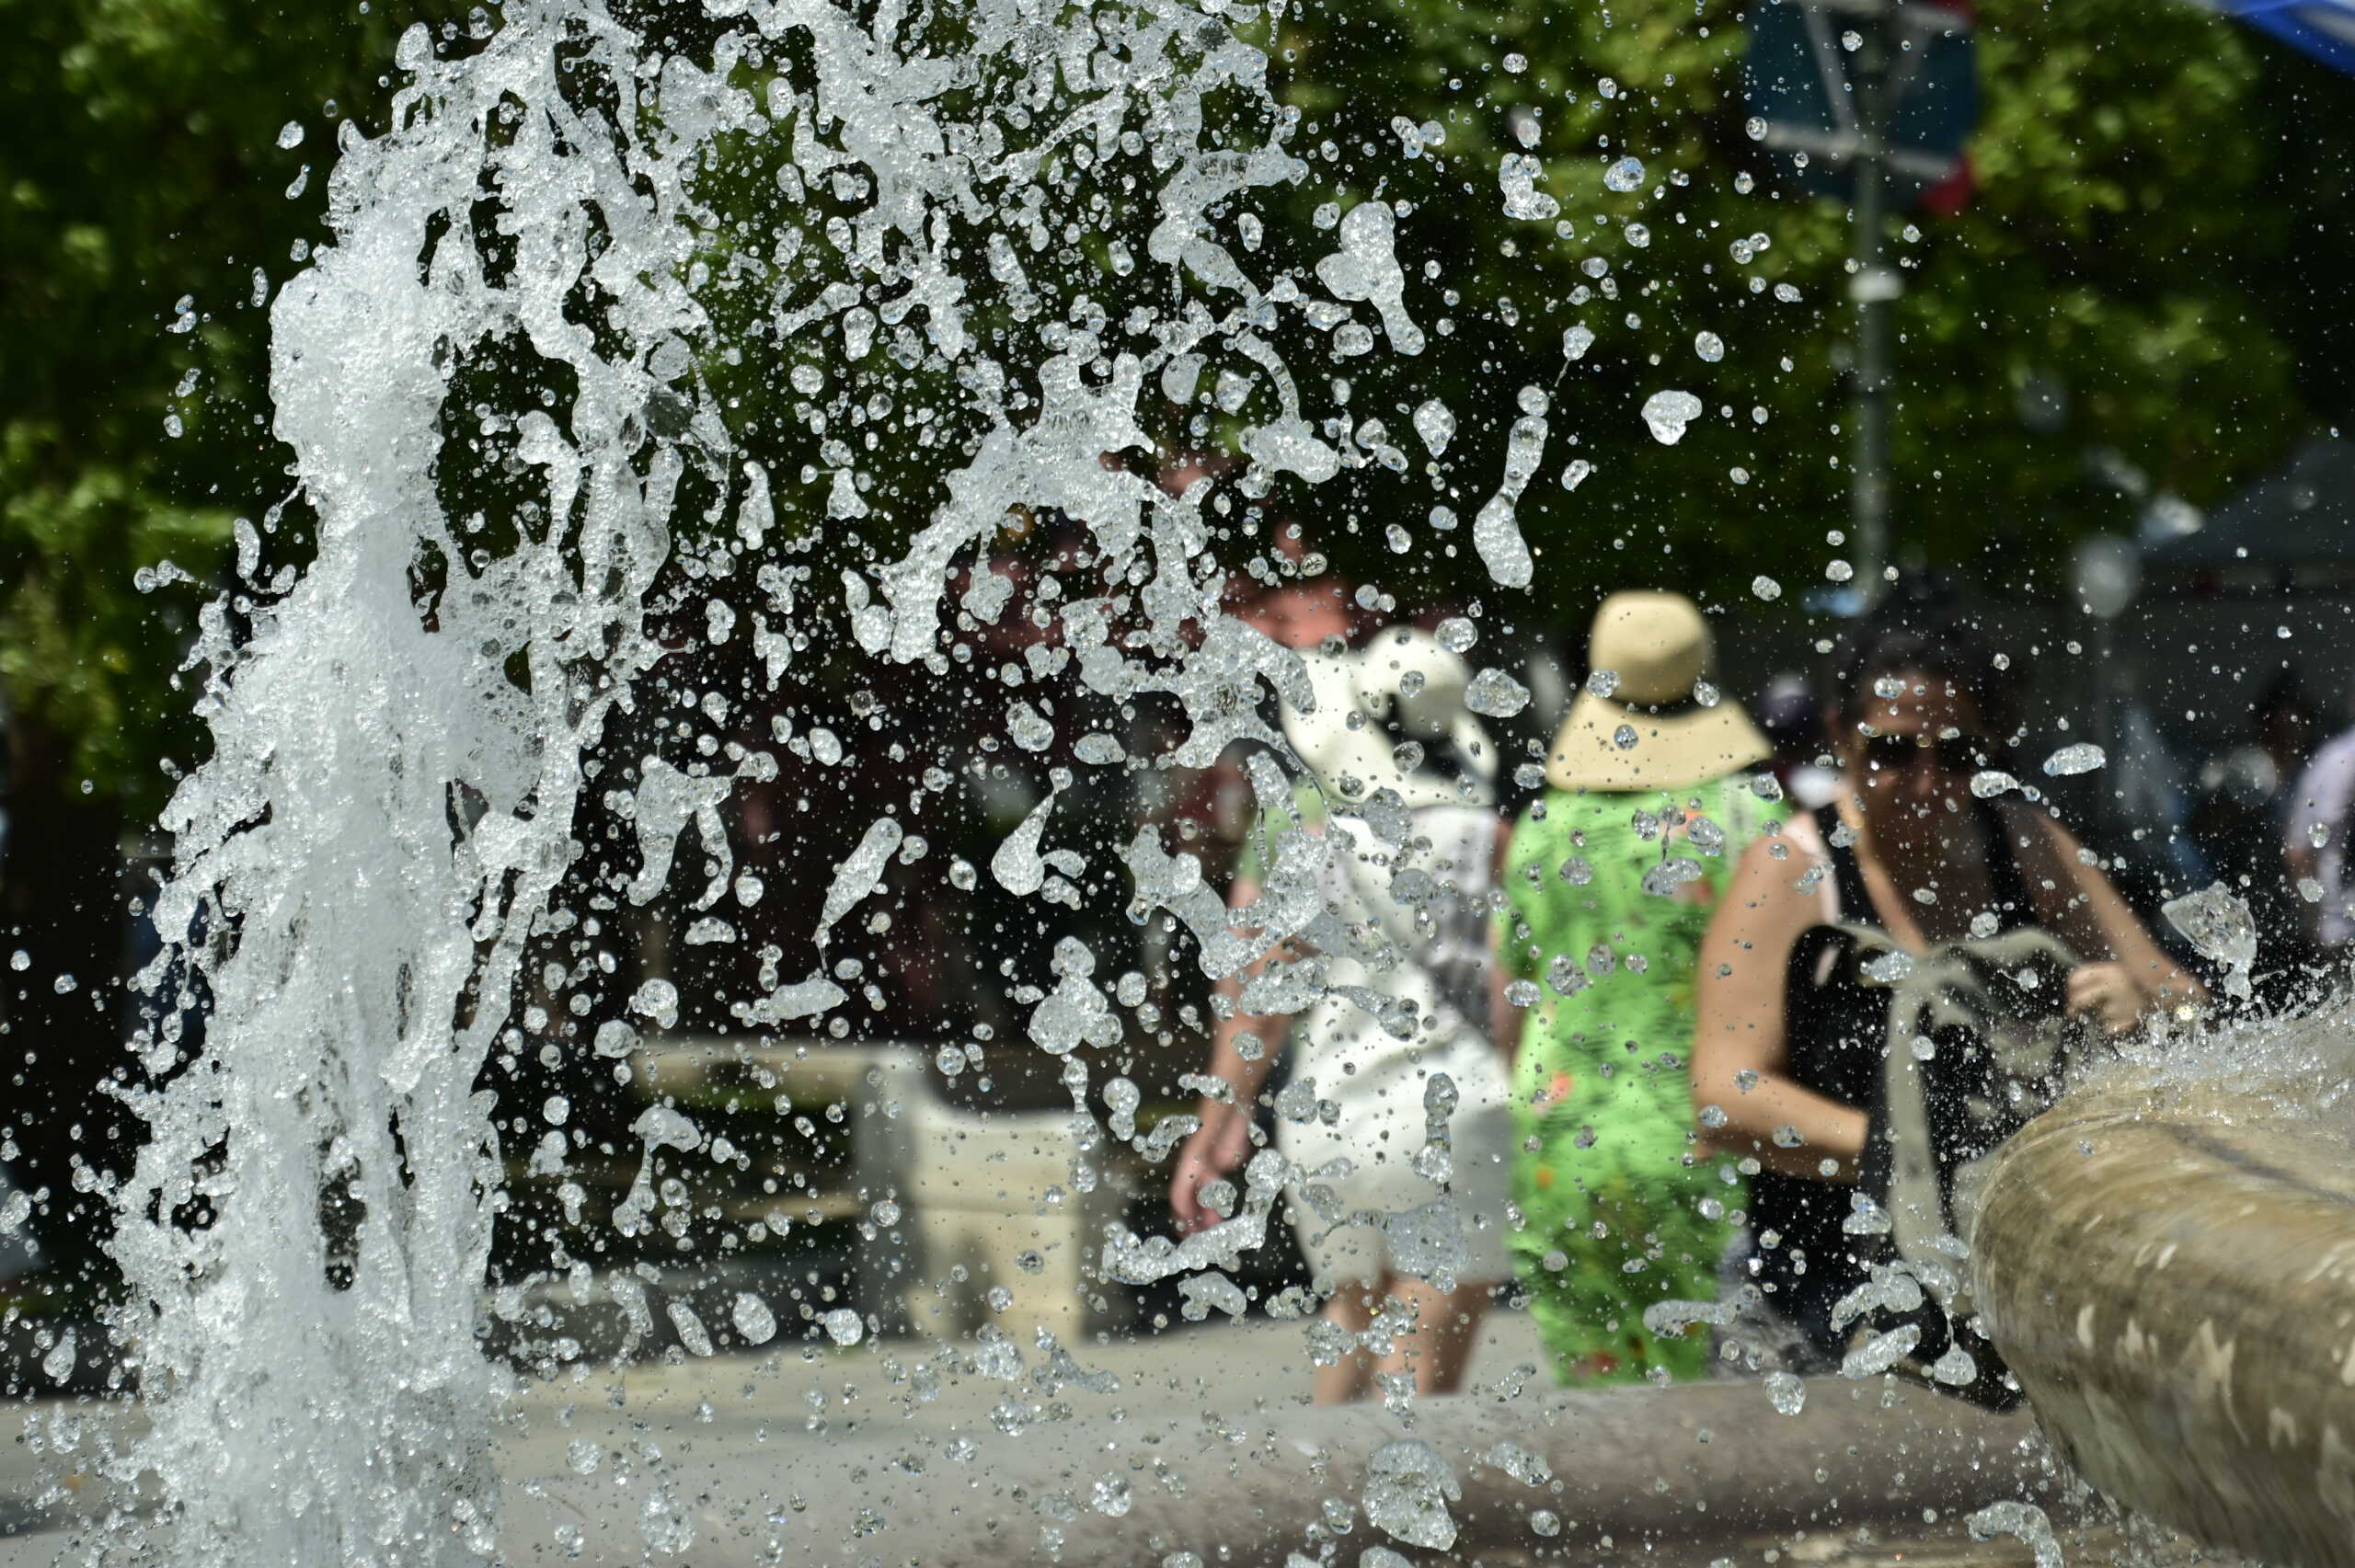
x=139, y=168
x=2161, y=228
x=2162, y=216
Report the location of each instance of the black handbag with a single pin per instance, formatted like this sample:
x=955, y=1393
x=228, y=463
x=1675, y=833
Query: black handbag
x=1949, y=1053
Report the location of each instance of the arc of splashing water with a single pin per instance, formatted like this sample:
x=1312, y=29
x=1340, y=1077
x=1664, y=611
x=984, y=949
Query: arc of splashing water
x=294, y=1422
x=365, y=953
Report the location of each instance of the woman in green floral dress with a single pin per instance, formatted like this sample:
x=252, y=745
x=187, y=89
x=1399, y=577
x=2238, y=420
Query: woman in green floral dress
x=1610, y=878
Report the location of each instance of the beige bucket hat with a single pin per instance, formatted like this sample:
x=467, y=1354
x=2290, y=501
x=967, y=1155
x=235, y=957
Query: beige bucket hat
x=1651, y=732
x=1403, y=680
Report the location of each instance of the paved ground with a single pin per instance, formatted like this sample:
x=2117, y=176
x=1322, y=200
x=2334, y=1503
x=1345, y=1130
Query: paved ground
x=807, y=1411
x=798, y=1400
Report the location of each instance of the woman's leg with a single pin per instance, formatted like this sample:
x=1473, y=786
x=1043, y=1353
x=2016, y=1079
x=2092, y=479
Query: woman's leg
x=1439, y=1348
x=1350, y=1308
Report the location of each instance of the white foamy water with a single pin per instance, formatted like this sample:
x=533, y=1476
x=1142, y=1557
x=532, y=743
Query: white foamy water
x=397, y=770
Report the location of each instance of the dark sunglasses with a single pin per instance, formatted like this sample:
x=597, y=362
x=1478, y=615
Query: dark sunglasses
x=1956, y=754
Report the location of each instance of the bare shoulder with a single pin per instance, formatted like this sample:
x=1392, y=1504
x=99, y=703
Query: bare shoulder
x=1773, y=880
x=2046, y=850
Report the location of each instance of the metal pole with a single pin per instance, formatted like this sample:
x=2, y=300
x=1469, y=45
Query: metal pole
x=1871, y=288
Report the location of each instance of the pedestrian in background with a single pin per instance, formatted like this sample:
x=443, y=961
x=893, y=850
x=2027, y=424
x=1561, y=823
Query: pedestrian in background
x=1789, y=1058
x=1609, y=879
x=1394, y=1126
x=2321, y=817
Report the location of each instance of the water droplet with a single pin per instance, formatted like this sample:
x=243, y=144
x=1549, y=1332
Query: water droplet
x=1709, y=346
x=1625, y=738
x=1888, y=969
x=1666, y=877
x=658, y=1000
x=691, y=1333
x=1852, y=40
x=1457, y=635
x=1786, y=1392
x=664, y=1524
x=1787, y=292
x=1989, y=783
x=1638, y=236
x=1755, y=127
x=1516, y=64
x=1667, y=414
x=1576, y=340
x=1955, y=1368
x=2025, y=1520
x=1766, y=587
x=1436, y=425
x=290, y=135
x=1495, y=695
x=2082, y=757
x=2219, y=925
x=754, y=1322
x=1408, y=1488
x=845, y=1326
x=1625, y=175
x=1882, y=1352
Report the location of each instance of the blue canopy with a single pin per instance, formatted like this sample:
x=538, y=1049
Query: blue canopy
x=2324, y=29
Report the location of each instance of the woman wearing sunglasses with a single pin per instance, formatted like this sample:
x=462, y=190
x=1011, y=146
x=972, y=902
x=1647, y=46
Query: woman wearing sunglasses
x=1911, y=850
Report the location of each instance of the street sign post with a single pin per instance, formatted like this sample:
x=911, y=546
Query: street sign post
x=1872, y=99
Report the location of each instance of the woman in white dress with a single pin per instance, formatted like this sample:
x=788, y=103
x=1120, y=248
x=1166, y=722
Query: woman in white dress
x=1374, y=889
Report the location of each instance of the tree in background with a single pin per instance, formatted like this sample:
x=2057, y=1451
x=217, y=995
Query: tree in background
x=2162, y=211
x=2160, y=196
x=148, y=206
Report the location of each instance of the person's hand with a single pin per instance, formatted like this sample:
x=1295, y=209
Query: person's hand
x=1211, y=1154
x=2108, y=994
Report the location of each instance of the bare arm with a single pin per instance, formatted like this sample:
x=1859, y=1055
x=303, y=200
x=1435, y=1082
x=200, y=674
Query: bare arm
x=1243, y=1075
x=1215, y=1148
x=2077, y=900
x=1738, y=1029
x=1505, y=1020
